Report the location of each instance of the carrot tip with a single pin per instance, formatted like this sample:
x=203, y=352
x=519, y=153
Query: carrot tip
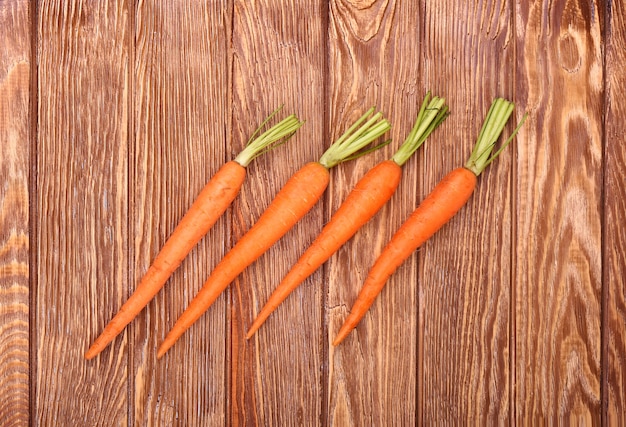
x=91, y=353
x=161, y=352
x=255, y=327
x=339, y=339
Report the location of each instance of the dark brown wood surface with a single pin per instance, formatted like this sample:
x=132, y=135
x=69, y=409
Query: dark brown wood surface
x=559, y=185
x=81, y=199
x=15, y=192
x=181, y=117
x=613, y=340
x=113, y=115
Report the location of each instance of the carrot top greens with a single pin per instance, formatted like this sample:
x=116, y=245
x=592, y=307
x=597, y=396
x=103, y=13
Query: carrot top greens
x=432, y=113
x=495, y=121
x=270, y=139
x=355, y=138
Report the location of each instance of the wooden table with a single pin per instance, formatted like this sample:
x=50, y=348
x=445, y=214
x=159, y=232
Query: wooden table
x=114, y=115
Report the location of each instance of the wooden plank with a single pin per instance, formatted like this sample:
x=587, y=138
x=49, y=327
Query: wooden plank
x=15, y=138
x=82, y=203
x=558, y=253
x=614, y=333
x=374, y=61
x=276, y=377
x=182, y=125
x=465, y=269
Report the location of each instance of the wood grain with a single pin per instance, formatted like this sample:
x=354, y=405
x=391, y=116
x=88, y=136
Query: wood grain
x=182, y=122
x=465, y=269
x=557, y=268
x=372, y=374
x=614, y=244
x=15, y=136
x=276, y=377
x=113, y=115
x=82, y=202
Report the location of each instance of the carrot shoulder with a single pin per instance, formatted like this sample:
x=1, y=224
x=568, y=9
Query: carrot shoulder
x=208, y=207
x=368, y=196
x=294, y=200
x=445, y=200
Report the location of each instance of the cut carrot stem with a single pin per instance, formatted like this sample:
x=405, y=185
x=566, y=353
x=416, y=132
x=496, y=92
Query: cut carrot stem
x=295, y=199
x=445, y=200
x=369, y=195
x=210, y=204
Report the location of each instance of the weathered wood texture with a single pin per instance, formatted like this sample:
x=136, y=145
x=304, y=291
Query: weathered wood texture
x=614, y=233
x=82, y=205
x=113, y=115
x=181, y=106
x=558, y=197
x=15, y=134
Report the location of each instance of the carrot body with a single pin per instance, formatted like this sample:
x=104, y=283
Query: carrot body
x=367, y=197
x=436, y=210
x=210, y=204
x=295, y=199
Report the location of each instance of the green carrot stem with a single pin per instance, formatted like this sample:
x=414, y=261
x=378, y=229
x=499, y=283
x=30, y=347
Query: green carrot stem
x=496, y=119
x=360, y=134
x=270, y=139
x=432, y=113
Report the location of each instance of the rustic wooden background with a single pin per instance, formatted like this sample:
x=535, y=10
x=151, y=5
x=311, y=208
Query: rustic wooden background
x=114, y=114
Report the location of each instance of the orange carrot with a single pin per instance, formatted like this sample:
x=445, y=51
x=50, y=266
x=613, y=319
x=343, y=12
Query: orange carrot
x=292, y=202
x=445, y=200
x=364, y=201
x=210, y=204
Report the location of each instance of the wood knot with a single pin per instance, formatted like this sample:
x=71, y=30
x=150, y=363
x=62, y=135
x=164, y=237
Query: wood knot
x=362, y=17
x=569, y=53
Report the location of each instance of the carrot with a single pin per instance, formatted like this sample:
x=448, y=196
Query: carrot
x=364, y=201
x=210, y=204
x=445, y=200
x=292, y=202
